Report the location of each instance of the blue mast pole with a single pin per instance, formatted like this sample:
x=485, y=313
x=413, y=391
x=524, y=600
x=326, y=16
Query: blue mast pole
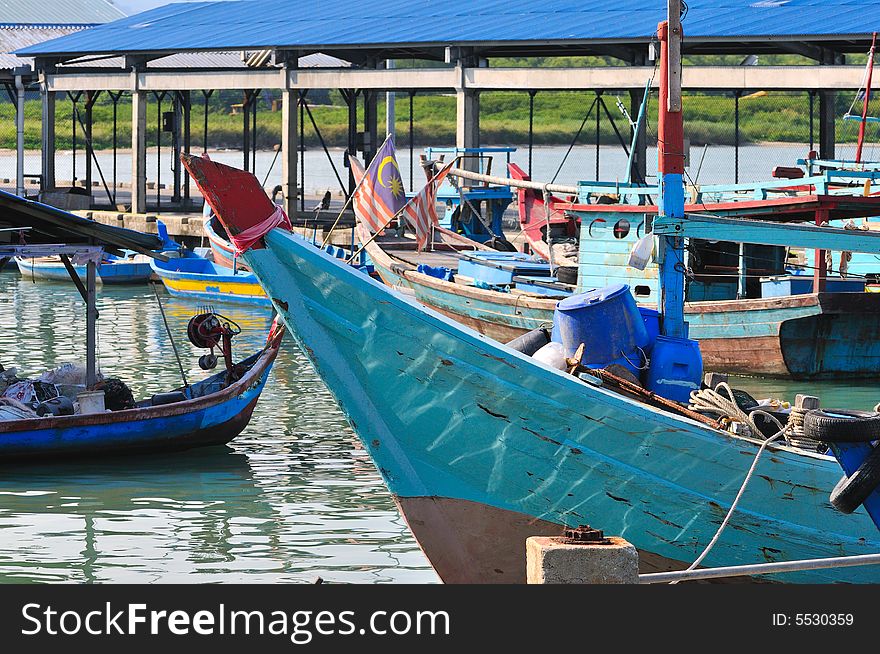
x=670, y=145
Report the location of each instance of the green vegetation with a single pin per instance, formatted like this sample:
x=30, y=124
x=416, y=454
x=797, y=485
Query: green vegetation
x=709, y=118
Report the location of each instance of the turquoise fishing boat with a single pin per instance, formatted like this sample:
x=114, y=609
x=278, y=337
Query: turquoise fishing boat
x=482, y=445
x=515, y=448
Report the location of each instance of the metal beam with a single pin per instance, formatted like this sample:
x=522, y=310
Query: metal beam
x=47, y=171
x=91, y=326
x=760, y=232
x=833, y=77
x=139, y=151
x=289, y=147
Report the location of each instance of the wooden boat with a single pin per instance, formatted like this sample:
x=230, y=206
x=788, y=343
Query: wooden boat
x=133, y=268
x=197, y=278
x=209, y=412
x=482, y=446
x=222, y=250
x=827, y=335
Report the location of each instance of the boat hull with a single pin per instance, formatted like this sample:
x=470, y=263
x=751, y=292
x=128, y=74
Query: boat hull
x=482, y=446
x=217, y=285
x=213, y=419
x=825, y=336
x=107, y=273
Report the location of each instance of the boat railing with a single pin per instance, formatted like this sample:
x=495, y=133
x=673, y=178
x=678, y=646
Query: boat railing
x=760, y=569
x=482, y=156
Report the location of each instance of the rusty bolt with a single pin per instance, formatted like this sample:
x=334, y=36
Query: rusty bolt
x=584, y=535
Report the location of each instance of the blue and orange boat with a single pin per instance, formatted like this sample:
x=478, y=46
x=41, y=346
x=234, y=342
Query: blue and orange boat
x=482, y=445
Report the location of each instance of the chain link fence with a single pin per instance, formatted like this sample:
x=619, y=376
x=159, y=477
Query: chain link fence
x=561, y=136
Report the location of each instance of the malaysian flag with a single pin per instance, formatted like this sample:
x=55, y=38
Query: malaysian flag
x=380, y=194
x=421, y=212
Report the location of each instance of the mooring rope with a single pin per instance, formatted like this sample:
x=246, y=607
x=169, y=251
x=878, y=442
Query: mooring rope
x=710, y=400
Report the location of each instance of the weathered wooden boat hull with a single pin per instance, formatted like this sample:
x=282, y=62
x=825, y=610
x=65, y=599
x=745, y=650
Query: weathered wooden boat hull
x=107, y=273
x=826, y=336
x=213, y=419
x=482, y=446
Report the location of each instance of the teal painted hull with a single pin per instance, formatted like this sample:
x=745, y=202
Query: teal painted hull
x=482, y=446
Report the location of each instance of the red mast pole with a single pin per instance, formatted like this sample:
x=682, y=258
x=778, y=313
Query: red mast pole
x=867, y=98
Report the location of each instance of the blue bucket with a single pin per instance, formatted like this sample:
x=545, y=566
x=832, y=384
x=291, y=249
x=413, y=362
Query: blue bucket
x=676, y=368
x=652, y=325
x=607, y=321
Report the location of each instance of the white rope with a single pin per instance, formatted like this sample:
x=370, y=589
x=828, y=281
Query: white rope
x=733, y=506
x=711, y=401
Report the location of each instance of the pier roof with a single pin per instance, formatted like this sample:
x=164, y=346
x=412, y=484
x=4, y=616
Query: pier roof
x=422, y=28
x=58, y=12
x=47, y=224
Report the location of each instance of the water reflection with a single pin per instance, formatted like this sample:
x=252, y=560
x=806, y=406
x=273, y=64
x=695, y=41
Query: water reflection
x=292, y=498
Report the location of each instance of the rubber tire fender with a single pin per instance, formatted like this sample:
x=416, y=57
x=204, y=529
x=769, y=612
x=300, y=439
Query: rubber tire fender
x=567, y=275
x=850, y=492
x=842, y=426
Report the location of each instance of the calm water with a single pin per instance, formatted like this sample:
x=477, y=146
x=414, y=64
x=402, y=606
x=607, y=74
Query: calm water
x=716, y=166
x=292, y=498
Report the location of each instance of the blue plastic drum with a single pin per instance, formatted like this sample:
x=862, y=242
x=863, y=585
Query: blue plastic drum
x=607, y=321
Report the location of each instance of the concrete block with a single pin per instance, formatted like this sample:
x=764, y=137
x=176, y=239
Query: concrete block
x=552, y=560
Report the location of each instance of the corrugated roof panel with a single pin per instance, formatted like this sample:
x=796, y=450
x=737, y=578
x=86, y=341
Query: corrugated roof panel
x=323, y=24
x=204, y=60
x=58, y=12
x=14, y=38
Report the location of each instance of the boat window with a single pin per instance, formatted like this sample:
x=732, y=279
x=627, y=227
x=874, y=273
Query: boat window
x=621, y=228
x=641, y=290
x=598, y=223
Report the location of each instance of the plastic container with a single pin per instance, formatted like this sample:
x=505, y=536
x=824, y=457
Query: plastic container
x=91, y=402
x=652, y=325
x=675, y=369
x=607, y=321
x=553, y=354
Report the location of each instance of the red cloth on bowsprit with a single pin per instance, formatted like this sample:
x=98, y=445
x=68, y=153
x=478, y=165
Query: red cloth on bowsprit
x=244, y=240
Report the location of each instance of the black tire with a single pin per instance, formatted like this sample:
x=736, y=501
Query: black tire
x=842, y=426
x=567, y=274
x=850, y=492
x=501, y=244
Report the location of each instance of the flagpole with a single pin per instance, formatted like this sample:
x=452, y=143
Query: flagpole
x=391, y=219
x=350, y=196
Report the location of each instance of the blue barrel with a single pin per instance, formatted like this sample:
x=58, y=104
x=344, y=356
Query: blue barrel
x=675, y=369
x=652, y=325
x=607, y=321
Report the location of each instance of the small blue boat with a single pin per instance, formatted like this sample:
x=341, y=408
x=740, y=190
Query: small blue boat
x=132, y=268
x=197, y=278
x=209, y=412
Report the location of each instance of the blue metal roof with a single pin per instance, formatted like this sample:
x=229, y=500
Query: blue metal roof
x=328, y=24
